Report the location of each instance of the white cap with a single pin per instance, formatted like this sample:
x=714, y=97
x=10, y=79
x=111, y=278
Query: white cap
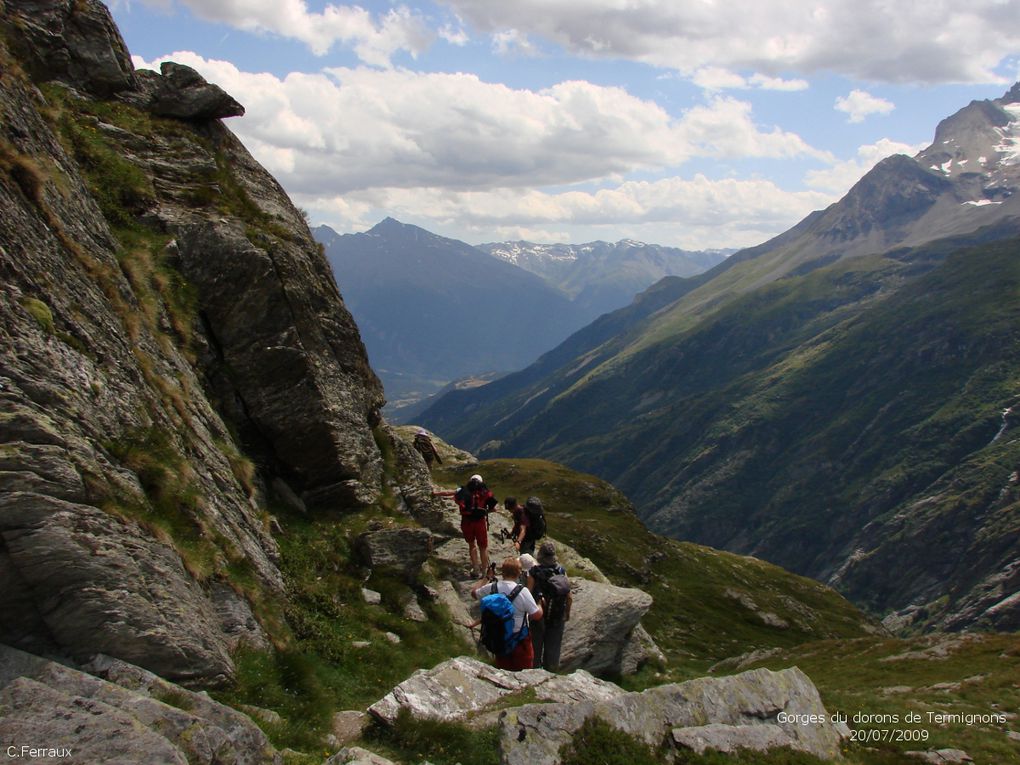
x=527, y=562
x=476, y=477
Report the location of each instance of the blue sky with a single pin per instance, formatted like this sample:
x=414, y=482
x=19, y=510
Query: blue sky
x=697, y=124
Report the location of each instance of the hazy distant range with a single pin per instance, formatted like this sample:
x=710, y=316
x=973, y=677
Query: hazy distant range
x=433, y=310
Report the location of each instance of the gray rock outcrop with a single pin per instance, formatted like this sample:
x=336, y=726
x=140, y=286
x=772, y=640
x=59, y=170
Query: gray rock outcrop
x=601, y=635
x=356, y=755
x=464, y=688
x=182, y=93
x=78, y=559
x=403, y=550
x=130, y=716
x=741, y=711
x=73, y=42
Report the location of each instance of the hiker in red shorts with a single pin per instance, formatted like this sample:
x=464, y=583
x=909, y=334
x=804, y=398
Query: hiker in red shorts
x=475, y=502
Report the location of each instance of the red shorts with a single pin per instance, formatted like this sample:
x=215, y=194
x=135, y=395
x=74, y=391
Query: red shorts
x=522, y=657
x=475, y=531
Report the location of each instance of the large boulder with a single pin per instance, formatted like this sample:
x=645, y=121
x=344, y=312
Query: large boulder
x=403, y=550
x=131, y=716
x=184, y=94
x=464, y=688
x=355, y=755
x=601, y=634
x=742, y=711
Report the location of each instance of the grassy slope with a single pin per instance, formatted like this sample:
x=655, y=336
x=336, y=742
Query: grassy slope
x=318, y=667
x=966, y=675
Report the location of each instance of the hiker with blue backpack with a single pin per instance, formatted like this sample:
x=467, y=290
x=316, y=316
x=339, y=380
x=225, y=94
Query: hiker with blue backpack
x=506, y=608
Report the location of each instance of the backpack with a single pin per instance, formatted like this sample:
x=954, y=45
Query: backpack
x=554, y=586
x=498, y=610
x=536, y=518
x=471, y=509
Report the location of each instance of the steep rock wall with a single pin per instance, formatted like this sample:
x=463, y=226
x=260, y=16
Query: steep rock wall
x=164, y=312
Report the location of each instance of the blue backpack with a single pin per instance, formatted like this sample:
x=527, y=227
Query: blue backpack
x=498, y=634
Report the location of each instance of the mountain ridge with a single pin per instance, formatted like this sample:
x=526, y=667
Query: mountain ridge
x=433, y=309
x=604, y=276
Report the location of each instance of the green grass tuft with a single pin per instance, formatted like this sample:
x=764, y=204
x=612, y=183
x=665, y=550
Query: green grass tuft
x=40, y=312
x=441, y=743
x=598, y=743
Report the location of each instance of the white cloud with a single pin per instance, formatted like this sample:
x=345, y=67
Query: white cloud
x=876, y=40
x=511, y=41
x=724, y=128
x=778, y=83
x=355, y=145
x=454, y=35
x=355, y=129
x=717, y=78
x=838, y=178
x=374, y=40
x=861, y=104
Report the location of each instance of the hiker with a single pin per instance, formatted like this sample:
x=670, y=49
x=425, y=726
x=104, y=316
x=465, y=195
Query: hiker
x=424, y=446
x=527, y=563
x=475, y=502
x=531, y=526
x=551, y=588
x=520, y=520
x=525, y=611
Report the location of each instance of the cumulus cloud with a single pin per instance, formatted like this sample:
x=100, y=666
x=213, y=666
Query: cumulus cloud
x=355, y=145
x=345, y=129
x=840, y=176
x=374, y=39
x=725, y=128
x=861, y=104
x=862, y=39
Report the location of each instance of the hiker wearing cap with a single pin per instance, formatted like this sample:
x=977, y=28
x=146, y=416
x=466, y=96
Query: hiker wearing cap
x=475, y=502
x=527, y=563
x=549, y=584
x=424, y=446
x=526, y=614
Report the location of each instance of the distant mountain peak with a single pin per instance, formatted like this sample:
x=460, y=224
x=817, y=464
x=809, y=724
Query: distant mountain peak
x=388, y=224
x=979, y=147
x=1012, y=95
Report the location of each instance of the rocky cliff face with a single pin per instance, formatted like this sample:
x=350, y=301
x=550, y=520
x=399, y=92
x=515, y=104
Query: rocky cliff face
x=165, y=312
